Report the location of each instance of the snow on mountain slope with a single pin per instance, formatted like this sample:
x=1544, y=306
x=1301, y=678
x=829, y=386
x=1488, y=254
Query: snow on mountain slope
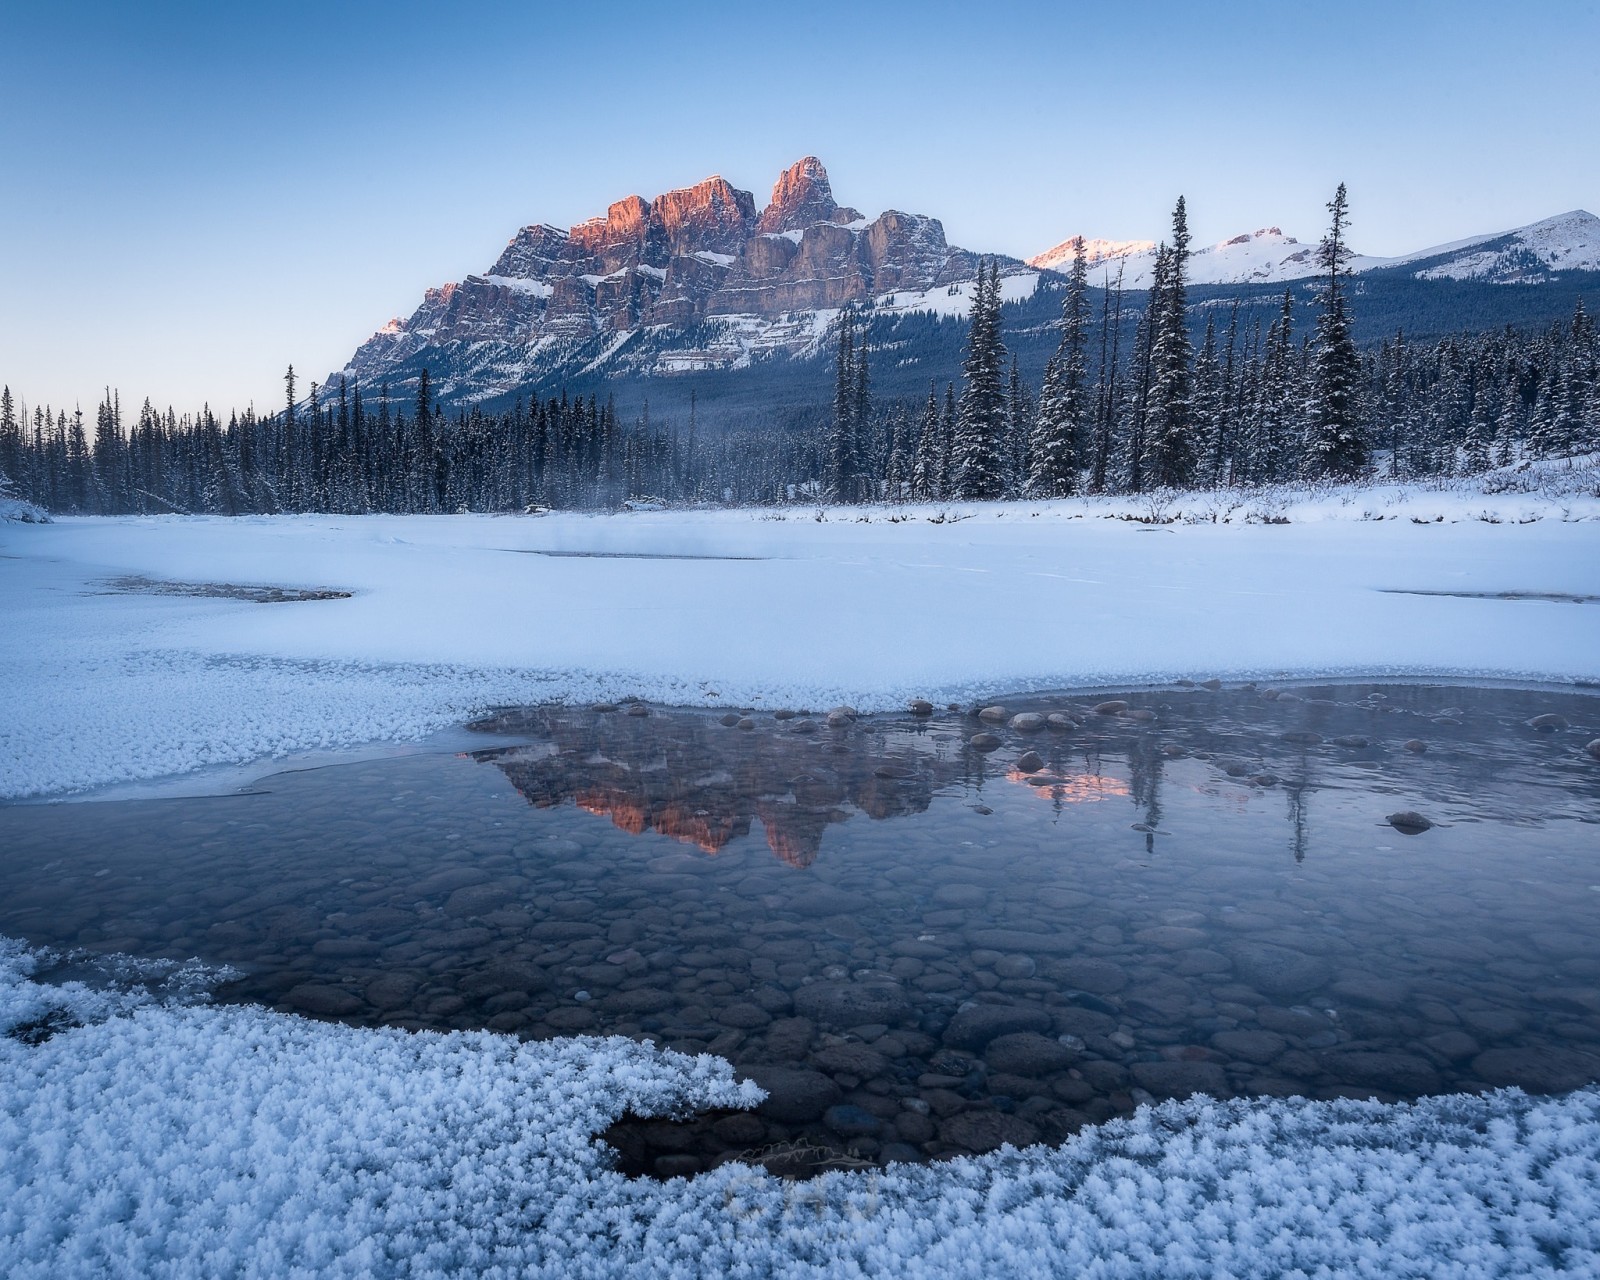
x=1260, y=256
x=1567, y=242
x=1094, y=250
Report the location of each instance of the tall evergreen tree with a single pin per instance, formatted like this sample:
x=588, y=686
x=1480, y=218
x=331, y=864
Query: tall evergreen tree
x=981, y=421
x=840, y=469
x=1056, y=456
x=1335, y=445
x=1172, y=447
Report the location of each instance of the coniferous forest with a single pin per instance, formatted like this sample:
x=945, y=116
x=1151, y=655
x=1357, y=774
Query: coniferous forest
x=1160, y=407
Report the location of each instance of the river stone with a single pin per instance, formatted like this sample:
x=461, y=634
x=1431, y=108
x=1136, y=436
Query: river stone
x=794, y=1094
x=345, y=948
x=730, y=719
x=921, y=707
x=1015, y=967
x=1021, y=941
x=391, y=991
x=1171, y=937
x=1030, y=762
x=983, y=742
x=789, y=1038
x=746, y=1017
x=1395, y=1072
x=1027, y=1053
x=841, y=1005
x=993, y=715
x=1552, y=1070
x=975, y=1026
x=1593, y=748
x=851, y=1060
x=1027, y=722
x=641, y=1001
x=1278, y=971
x=1548, y=723
x=1180, y=1079
x=1252, y=1046
x=824, y=900
x=311, y=997
x=1060, y=720
x=850, y=1121
x=982, y=1131
x=1113, y=707
x=1098, y=977
x=1416, y=745
x=1408, y=822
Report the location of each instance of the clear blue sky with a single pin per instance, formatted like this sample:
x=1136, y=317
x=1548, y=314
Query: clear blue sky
x=196, y=194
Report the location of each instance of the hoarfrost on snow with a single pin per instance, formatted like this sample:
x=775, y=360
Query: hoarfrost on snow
x=164, y=1137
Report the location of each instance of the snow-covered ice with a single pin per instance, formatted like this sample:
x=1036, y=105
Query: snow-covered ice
x=166, y=1137
x=869, y=606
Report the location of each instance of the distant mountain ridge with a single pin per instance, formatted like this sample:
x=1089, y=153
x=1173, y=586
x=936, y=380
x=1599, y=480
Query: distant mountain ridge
x=1566, y=242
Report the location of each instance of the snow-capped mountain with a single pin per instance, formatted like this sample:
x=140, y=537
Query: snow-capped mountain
x=1567, y=242
x=1257, y=257
x=747, y=281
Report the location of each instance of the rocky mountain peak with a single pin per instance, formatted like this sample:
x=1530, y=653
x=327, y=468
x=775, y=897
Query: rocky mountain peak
x=711, y=216
x=801, y=197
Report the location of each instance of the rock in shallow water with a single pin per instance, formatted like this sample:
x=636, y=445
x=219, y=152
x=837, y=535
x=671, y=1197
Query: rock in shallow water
x=1180, y=1079
x=794, y=1095
x=982, y=1131
x=974, y=1027
x=841, y=1005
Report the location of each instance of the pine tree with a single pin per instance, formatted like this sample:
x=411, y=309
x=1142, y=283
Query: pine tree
x=1335, y=445
x=981, y=422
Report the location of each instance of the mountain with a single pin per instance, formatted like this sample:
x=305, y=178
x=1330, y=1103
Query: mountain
x=1257, y=257
x=1567, y=242
x=701, y=261
x=1528, y=255
x=698, y=298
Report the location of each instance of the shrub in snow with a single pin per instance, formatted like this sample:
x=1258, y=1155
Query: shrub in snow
x=17, y=509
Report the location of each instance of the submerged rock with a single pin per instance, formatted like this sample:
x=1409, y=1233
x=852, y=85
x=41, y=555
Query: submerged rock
x=1409, y=822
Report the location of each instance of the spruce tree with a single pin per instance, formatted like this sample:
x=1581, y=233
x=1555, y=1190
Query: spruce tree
x=981, y=421
x=1335, y=445
x=1056, y=455
x=1170, y=431
x=839, y=468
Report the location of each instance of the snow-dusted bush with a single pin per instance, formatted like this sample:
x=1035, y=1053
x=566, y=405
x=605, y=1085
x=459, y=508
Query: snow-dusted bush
x=17, y=509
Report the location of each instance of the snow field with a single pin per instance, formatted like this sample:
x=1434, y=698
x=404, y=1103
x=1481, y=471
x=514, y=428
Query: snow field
x=871, y=606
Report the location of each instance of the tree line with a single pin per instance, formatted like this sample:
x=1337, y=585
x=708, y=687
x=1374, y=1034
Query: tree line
x=1244, y=405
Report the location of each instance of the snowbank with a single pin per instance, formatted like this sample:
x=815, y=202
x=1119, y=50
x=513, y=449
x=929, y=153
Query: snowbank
x=167, y=1138
x=872, y=606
